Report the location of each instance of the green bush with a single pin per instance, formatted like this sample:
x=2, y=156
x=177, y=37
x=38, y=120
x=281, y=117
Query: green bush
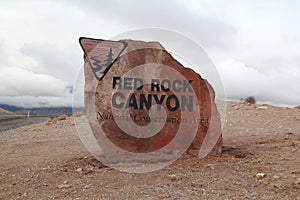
x=250, y=100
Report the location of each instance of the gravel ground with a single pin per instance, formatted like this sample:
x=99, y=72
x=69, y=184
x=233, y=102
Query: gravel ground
x=50, y=162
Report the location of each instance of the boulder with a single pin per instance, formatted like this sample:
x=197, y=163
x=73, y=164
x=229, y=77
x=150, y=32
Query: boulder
x=120, y=88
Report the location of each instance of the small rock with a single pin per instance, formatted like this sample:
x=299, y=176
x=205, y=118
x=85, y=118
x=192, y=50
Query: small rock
x=296, y=171
x=276, y=177
x=262, y=107
x=276, y=185
x=240, y=155
x=286, y=137
x=296, y=184
x=260, y=175
x=296, y=144
x=79, y=170
x=289, y=133
x=63, y=186
x=65, y=182
x=174, y=177
x=210, y=166
x=47, y=167
x=87, y=186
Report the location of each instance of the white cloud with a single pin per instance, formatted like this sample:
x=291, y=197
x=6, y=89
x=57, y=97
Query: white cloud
x=19, y=82
x=240, y=81
x=207, y=28
x=37, y=101
x=50, y=59
x=256, y=45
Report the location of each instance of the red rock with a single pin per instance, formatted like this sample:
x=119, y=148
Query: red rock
x=138, y=53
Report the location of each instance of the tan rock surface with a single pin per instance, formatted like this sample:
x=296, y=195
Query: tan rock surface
x=5, y=112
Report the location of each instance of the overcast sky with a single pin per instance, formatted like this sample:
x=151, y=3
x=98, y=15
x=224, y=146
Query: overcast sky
x=255, y=45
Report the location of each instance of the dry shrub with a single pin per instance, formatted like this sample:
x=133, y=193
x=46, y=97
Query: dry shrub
x=250, y=100
x=55, y=119
x=79, y=113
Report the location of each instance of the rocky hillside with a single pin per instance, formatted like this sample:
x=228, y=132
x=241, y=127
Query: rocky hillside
x=5, y=112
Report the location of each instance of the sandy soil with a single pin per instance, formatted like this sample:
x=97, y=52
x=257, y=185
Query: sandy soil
x=49, y=162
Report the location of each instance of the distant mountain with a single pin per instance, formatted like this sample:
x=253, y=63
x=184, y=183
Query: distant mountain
x=21, y=112
x=41, y=110
x=10, y=108
x=51, y=110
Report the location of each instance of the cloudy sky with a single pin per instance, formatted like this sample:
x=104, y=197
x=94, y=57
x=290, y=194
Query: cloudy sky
x=255, y=45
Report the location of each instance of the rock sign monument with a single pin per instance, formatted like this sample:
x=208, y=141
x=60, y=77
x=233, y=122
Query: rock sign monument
x=140, y=100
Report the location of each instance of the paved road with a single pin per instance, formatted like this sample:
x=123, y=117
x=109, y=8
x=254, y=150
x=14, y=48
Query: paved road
x=15, y=121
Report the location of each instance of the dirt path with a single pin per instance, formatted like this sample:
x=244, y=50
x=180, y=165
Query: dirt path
x=49, y=162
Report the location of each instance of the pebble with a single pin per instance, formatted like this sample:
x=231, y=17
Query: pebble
x=87, y=186
x=296, y=144
x=79, y=170
x=295, y=172
x=262, y=107
x=276, y=177
x=286, y=137
x=172, y=177
x=260, y=175
x=210, y=166
x=296, y=184
x=289, y=133
x=240, y=155
x=63, y=186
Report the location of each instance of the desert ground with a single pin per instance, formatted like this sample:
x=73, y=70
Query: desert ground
x=40, y=161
